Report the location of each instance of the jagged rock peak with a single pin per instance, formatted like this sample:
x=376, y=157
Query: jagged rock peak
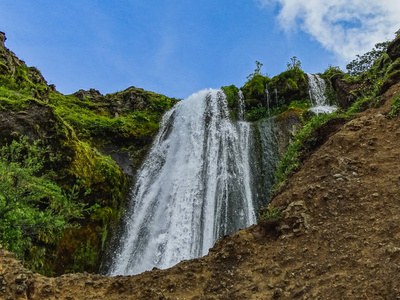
x=91, y=94
x=2, y=38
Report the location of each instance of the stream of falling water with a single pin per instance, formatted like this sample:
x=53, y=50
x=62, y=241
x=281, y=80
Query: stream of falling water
x=317, y=89
x=193, y=188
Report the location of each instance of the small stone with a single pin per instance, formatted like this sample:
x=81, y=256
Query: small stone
x=21, y=288
x=284, y=227
x=375, y=194
x=338, y=175
x=278, y=293
x=20, y=279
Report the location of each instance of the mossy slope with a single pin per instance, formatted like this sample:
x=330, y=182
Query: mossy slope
x=76, y=133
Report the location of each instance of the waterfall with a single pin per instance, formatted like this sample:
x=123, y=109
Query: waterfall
x=266, y=93
x=193, y=188
x=317, y=89
x=240, y=105
x=276, y=97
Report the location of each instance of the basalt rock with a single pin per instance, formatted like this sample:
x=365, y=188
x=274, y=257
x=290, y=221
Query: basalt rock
x=91, y=95
x=346, y=92
x=393, y=49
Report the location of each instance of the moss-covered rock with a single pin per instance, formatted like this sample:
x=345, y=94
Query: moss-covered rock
x=79, y=132
x=290, y=85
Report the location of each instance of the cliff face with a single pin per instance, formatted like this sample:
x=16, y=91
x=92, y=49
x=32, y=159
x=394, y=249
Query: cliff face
x=337, y=237
x=91, y=146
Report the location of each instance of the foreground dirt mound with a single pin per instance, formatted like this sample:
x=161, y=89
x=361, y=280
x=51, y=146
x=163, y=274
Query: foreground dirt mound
x=339, y=237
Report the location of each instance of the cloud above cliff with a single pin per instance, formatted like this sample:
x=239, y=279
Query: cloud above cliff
x=343, y=27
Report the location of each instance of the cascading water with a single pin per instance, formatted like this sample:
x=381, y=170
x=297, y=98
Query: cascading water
x=241, y=105
x=317, y=89
x=268, y=98
x=194, y=187
x=276, y=97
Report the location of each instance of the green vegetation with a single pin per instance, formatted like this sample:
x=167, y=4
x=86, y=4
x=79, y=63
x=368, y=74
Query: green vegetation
x=270, y=213
x=290, y=161
x=394, y=112
x=363, y=63
x=115, y=118
x=232, y=96
x=291, y=86
x=60, y=196
x=34, y=210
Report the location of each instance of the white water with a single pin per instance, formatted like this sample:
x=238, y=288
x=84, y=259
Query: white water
x=241, y=106
x=266, y=92
x=193, y=188
x=317, y=89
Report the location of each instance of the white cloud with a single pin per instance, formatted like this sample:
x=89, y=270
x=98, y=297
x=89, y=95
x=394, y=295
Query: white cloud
x=344, y=27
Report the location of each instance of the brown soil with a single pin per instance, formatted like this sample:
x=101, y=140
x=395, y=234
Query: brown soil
x=339, y=237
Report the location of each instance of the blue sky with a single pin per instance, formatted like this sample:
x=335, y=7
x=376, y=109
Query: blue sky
x=177, y=47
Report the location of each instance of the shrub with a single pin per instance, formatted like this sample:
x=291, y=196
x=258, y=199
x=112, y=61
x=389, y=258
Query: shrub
x=395, y=108
x=34, y=211
x=270, y=214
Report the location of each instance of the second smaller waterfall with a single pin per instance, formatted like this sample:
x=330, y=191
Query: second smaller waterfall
x=317, y=89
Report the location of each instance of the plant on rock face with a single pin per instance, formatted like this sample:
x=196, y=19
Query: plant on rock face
x=294, y=64
x=257, y=70
x=395, y=108
x=270, y=214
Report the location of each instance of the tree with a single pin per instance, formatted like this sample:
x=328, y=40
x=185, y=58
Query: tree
x=256, y=70
x=294, y=64
x=363, y=62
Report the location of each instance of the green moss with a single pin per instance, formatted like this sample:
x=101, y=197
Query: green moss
x=13, y=100
x=232, y=95
x=332, y=71
x=254, y=89
x=291, y=86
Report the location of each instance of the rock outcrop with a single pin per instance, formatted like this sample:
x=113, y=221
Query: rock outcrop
x=345, y=91
x=393, y=49
x=2, y=38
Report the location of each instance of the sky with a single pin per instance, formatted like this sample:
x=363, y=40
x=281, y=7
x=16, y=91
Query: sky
x=178, y=47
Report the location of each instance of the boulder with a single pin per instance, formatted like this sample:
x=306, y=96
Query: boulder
x=345, y=91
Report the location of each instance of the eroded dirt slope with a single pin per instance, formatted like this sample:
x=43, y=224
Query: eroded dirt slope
x=339, y=237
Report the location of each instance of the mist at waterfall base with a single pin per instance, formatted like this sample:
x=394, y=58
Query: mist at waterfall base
x=206, y=176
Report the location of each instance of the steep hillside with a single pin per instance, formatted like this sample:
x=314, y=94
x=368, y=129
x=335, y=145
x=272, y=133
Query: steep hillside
x=66, y=162
x=337, y=237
